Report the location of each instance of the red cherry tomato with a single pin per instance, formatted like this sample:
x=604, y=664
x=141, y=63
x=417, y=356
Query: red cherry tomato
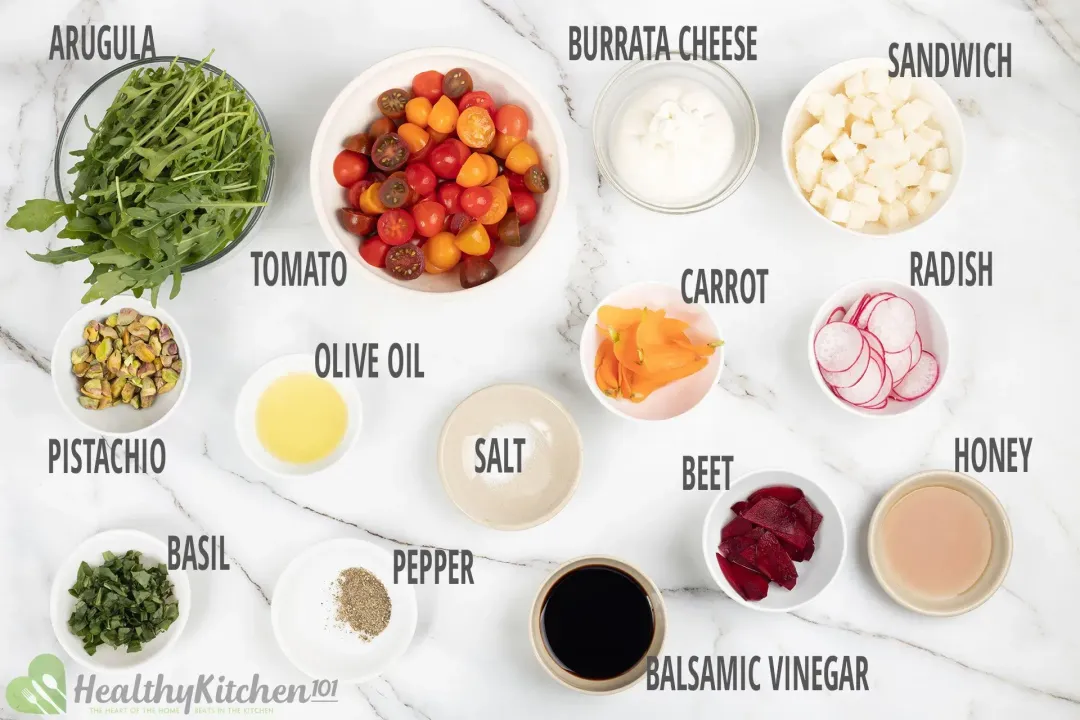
x=476, y=98
x=428, y=84
x=463, y=150
x=396, y=227
x=515, y=181
x=350, y=167
x=476, y=200
x=449, y=195
x=512, y=120
x=525, y=204
x=355, y=189
x=356, y=222
x=490, y=253
x=446, y=160
x=374, y=250
x=429, y=218
x=421, y=178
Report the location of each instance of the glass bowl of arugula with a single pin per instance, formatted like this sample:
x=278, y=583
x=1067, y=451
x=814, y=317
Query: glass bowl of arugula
x=163, y=166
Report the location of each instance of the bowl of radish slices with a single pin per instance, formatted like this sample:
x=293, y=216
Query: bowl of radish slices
x=878, y=348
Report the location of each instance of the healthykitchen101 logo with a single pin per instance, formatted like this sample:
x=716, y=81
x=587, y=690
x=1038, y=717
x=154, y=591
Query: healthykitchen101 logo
x=42, y=690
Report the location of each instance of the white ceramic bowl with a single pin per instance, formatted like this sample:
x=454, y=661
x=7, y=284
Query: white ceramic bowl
x=124, y=419
x=62, y=602
x=248, y=401
x=678, y=397
x=932, y=330
x=354, y=109
x=302, y=613
x=946, y=116
x=815, y=574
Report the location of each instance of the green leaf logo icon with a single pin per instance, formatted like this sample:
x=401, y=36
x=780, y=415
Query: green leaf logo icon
x=42, y=691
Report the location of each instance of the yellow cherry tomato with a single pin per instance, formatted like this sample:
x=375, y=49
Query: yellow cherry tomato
x=417, y=111
x=492, y=168
x=416, y=138
x=437, y=137
x=521, y=158
x=473, y=239
x=502, y=185
x=474, y=172
x=429, y=264
x=443, y=116
x=495, y=213
x=504, y=144
x=369, y=202
x=442, y=252
x=475, y=127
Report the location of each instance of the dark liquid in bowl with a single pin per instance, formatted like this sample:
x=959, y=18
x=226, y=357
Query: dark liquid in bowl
x=597, y=622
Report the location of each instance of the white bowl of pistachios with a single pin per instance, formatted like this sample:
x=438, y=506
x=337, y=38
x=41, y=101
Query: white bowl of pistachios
x=122, y=366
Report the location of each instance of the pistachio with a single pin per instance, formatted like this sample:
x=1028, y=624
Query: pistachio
x=178, y=365
x=134, y=402
x=92, y=388
x=88, y=402
x=80, y=354
x=146, y=397
x=158, y=364
x=117, y=387
x=90, y=332
x=135, y=381
x=113, y=363
x=94, y=371
x=151, y=322
x=103, y=350
x=80, y=369
x=170, y=348
x=170, y=378
x=111, y=320
x=126, y=337
x=126, y=316
x=166, y=360
x=165, y=333
x=139, y=331
x=148, y=389
x=128, y=391
x=108, y=332
x=146, y=370
x=155, y=345
x=142, y=351
x=104, y=403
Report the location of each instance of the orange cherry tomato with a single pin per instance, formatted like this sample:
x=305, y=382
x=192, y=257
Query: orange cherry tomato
x=442, y=252
x=369, y=202
x=502, y=185
x=415, y=137
x=504, y=144
x=499, y=205
x=521, y=158
x=492, y=168
x=428, y=84
x=444, y=116
x=429, y=265
x=437, y=137
x=512, y=120
x=475, y=127
x=417, y=111
x=474, y=172
x=473, y=239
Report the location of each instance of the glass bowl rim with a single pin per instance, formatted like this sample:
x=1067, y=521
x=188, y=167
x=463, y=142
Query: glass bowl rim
x=255, y=215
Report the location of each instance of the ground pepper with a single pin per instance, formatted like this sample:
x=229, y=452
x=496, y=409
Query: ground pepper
x=362, y=602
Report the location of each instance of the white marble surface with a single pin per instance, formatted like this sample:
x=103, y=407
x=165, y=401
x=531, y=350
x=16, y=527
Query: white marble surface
x=1012, y=373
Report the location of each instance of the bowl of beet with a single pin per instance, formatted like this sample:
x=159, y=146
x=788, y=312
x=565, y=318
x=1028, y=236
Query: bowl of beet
x=774, y=541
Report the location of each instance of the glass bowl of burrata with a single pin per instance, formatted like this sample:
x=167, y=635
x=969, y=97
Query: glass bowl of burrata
x=675, y=136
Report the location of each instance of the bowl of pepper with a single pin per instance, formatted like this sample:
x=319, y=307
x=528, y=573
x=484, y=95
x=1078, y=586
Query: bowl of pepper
x=438, y=170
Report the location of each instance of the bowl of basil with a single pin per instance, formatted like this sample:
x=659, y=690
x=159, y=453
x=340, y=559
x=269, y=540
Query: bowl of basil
x=163, y=166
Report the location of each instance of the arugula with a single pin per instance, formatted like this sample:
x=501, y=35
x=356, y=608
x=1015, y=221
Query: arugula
x=168, y=178
x=121, y=603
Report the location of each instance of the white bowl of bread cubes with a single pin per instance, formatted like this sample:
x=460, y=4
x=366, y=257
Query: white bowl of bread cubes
x=872, y=154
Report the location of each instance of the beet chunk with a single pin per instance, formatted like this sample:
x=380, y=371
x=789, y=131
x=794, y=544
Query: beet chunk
x=784, y=493
x=738, y=526
x=739, y=507
x=774, y=515
x=807, y=515
x=775, y=563
x=749, y=584
x=741, y=549
x=795, y=553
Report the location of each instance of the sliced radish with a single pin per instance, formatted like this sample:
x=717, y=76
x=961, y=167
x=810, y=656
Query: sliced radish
x=875, y=300
x=836, y=315
x=852, y=375
x=853, y=311
x=837, y=346
x=899, y=363
x=920, y=380
x=869, y=384
x=882, y=397
x=893, y=322
x=874, y=342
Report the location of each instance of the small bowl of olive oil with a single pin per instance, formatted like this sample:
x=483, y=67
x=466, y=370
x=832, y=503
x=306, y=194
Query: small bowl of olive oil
x=291, y=422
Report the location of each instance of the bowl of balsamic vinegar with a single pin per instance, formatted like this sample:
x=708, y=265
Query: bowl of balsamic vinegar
x=595, y=622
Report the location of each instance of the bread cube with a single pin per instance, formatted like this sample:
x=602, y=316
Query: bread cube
x=815, y=104
x=900, y=88
x=891, y=192
x=857, y=217
x=836, y=110
x=917, y=146
x=938, y=159
x=894, y=214
x=880, y=176
x=806, y=181
x=843, y=148
x=818, y=136
x=820, y=195
x=866, y=194
x=873, y=212
x=861, y=107
x=894, y=136
x=838, y=210
x=920, y=202
x=808, y=161
x=882, y=118
x=887, y=101
x=914, y=114
x=908, y=195
x=862, y=132
x=836, y=176
x=934, y=181
x=855, y=86
x=909, y=174
x=858, y=164
x=877, y=80
x=931, y=134
x=883, y=152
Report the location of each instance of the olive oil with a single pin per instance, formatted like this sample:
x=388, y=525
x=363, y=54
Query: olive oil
x=300, y=418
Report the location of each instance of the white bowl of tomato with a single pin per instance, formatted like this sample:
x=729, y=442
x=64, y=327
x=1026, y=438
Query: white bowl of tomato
x=438, y=170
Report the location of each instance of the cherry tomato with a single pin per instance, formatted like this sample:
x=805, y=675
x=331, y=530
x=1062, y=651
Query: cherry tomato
x=476, y=271
x=360, y=142
x=473, y=239
x=475, y=127
x=474, y=172
x=476, y=201
x=515, y=182
x=504, y=144
x=510, y=230
x=392, y=103
x=417, y=111
x=445, y=160
x=356, y=189
x=495, y=213
x=429, y=218
x=525, y=205
x=512, y=120
x=389, y=152
x=428, y=84
x=380, y=127
x=536, y=180
x=456, y=83
x=374, y=250
x=396, y=227
x=437, y=137
x=491, y=251
x=422, y=154
x=449, y=195
x=493, y=233
x=492, y=166
x=442, y=251
x=501, y=184
x=457, y=222
x=356, y=222
x=429, y=266
x=476, y=98
x=443, y=116
x=415, y=137
x=421, y=178
x=394, y=193
x=376, y=176
x=520, y=159
x=369, y=201
x=349, y=167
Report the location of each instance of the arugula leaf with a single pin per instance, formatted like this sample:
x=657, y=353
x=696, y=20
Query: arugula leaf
x=38, y=215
